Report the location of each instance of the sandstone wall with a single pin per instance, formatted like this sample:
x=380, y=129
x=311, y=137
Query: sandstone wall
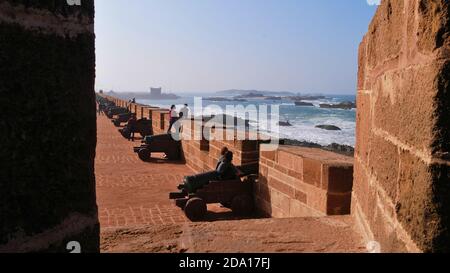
x=303, y=182
x=196, y=146
x=160, y=121
x=402, y=189
x=201, y=147
x=48, y=125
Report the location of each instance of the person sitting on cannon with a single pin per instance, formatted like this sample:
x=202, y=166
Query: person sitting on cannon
x=225, y=171
x=222, y=156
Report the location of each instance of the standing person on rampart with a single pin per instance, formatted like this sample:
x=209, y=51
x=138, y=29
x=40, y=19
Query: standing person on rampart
x=100, y=109
x=185, y=111
x=173, y=117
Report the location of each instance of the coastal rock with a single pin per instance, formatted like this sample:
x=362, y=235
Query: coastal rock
x=284, y=124
x=343, y=105
x=302, y=103
x=335, y=148
x=273, y=98
x=300, y=98
x=228, y=120
x=222, y=99
x=329, y=127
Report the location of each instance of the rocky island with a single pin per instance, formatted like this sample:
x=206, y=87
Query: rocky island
x=223, y=99
x=348, y=105
x=328, y=127
x=302, y=103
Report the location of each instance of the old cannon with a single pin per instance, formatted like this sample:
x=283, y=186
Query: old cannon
x=115, y=110
x=142, y=126
x=120, y=118
x=107, y=107
x=235, y=194
x=159, y=144
x=104, y=101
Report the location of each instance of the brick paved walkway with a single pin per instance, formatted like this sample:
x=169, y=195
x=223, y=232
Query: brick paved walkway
x=131, y=192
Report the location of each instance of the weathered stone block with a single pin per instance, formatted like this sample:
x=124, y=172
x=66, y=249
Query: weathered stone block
x=269, y=155
x=384, y=164
x=49, y=135
x=363, y=126
x=385, y=233
x=317, y=199
x=409, y=96
x=433, y=26
x=281, y=187
x=312, y=172
x=385, y=38
x=361, y=188
x=416, y=208
x=281, y=201
x=363, y=83
x=290, y=161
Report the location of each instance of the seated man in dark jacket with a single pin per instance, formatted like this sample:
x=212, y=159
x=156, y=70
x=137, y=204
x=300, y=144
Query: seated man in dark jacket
x=224, y=171
x=222, y=156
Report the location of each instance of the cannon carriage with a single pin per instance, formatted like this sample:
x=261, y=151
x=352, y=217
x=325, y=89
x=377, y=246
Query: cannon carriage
x=159, y=144
x=104, y=101
x=104, y=104
x=115, y=110
x=142, y=126
x=236, y=194
x=120, y=118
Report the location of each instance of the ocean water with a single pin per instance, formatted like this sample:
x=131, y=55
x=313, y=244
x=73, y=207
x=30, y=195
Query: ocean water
x=304, y=119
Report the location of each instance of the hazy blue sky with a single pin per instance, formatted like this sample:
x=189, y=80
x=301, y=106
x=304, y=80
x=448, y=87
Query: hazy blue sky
x=209, y=45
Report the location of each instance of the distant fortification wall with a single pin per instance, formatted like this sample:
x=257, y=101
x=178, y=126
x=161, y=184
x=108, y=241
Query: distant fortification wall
x=402, y=180
x=48, y=125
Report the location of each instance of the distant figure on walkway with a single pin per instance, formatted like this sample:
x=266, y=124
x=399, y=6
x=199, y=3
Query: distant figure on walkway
x=100, y=109
x=131, y=126
x=173, y=117
x=184, y=111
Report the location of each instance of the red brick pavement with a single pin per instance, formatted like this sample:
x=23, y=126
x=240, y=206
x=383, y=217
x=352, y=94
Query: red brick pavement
x=131, y=192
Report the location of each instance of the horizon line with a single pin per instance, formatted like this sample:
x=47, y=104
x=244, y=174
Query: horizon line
x=217, y=91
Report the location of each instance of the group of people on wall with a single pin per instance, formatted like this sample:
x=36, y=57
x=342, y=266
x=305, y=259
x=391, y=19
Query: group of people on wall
x=176, y=116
